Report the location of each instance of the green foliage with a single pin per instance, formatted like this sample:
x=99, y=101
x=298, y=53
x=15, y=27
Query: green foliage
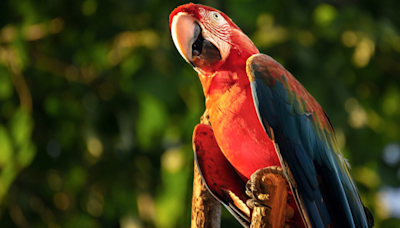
x=151, y=120
x=97, y=107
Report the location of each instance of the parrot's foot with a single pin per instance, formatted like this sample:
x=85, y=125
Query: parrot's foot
x=268, y=189
x=256, y=189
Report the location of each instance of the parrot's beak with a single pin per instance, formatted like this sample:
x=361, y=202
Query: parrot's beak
x=185, y=31
x=188, y=38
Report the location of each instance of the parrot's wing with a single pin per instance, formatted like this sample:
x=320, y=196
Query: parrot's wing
x=306, y=145
x=219, y=176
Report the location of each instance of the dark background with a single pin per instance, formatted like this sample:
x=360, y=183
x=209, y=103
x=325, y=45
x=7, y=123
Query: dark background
x=97, y=107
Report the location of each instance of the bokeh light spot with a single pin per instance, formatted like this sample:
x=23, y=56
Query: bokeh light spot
x=94, y=146
x=390, y=197
x=7, y=33
x=349, y=38
x=375, y=122
x=89, y=7
x=95, y=204
x=172, y=160
x=35, y=32
x=72, y=73
x=53, y=148
x=268, y=34
x=265, y=20
x=146, y=207
x=127, y=39
x=396, y=43
x=324, y=15
x=94, y=208
x=391, y=101
x=88, y=73
x=54, y=180
x=364, y=51
x=367, y=176
x=36, y=205
x=149, y=38
x=61, y=201
x=306, y=38
x=358, y=118
x=391, y=154
x=129, y=222
x=341, y=137
x=56, y=25
x=351, y=104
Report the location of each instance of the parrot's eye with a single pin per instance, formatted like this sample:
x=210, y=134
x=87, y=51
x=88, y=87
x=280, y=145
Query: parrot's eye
x=216, y=16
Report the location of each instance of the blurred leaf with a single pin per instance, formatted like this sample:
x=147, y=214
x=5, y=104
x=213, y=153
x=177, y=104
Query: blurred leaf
x=26, y=154
x=89, y=7
x=76, y=178
x=130, y=65
x=7, y=176
x=151, y=121
x=21, y=126
x=52, y=105
x=171, y=197
x=6, y=87
x=5, y=147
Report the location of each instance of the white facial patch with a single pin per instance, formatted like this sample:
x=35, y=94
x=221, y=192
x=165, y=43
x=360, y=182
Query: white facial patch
x=216, y=30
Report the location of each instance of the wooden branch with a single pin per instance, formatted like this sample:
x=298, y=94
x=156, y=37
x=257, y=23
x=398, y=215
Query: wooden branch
x=206, y=211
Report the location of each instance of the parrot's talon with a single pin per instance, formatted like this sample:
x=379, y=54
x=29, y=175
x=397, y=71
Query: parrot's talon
x=251, y=203
x=254, y=189
x=248, y=193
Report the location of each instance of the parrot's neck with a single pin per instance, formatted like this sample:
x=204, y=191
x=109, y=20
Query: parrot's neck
x=233, y=71
x=228, y=88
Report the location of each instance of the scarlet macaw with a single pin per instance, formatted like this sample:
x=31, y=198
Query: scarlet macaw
x=261, y=116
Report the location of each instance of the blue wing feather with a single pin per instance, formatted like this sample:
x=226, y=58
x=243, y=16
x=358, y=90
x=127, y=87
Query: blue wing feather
x=307, y=147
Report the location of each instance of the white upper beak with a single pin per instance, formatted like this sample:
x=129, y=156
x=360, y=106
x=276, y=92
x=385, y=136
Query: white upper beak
x=183, y=30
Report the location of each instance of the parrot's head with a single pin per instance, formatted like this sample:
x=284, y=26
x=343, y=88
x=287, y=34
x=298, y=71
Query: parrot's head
x=207, y=38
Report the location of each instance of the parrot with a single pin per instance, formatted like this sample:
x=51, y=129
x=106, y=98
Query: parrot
x=262, y=117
